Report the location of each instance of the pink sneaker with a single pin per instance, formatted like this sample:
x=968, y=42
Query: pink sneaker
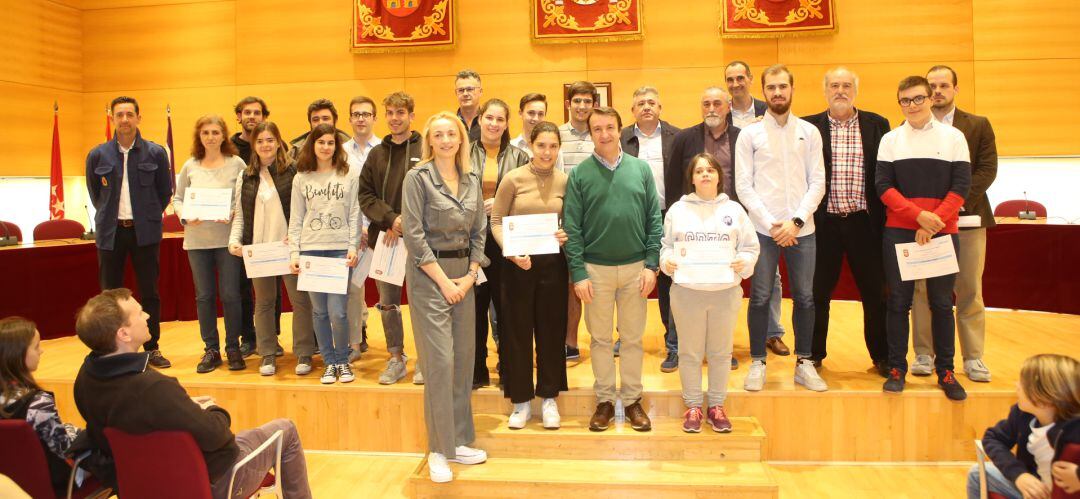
x=692, y=420
x=718, y=419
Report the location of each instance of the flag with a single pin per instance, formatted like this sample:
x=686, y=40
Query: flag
x=56, y=176
x=108, y=124
x=169, y=143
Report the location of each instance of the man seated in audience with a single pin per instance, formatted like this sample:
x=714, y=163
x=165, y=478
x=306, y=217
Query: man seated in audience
x=114, y=389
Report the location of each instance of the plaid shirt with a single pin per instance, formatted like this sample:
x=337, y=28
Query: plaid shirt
x=847, y=193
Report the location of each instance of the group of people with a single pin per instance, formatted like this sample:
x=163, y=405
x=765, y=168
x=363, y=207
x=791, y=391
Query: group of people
x=750, y=174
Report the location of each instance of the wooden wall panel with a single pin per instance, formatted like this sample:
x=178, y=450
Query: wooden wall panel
x=680, y=90
x=675, y=38
x=311, y=46
x=27, y=112
x=160, y=47
x=1009, y=29
x=1001, y=96
x=494, y=38
x=41, y=44
x=894, y=31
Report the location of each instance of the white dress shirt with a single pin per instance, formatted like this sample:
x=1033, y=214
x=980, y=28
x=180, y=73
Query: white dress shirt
x=124, y=211
x=744, y=118
x=948, y=118
x=357, y=156
x=779, y=172
x=520, y=143
x=651, y=151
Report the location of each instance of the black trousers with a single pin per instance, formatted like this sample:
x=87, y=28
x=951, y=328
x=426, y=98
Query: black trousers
x=487, y=294
x=534, y=303
x=146, y=262
x=857, y=238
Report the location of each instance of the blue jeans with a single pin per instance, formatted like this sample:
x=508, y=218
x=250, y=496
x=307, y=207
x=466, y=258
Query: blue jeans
x=330, y=317
x=776, y=329
x=995, y=482
x=801, y=259
x=939, y=292
x=205, y=263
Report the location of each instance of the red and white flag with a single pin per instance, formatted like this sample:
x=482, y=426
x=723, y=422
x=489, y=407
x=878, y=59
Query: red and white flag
x=56, y=176
x=108, y=124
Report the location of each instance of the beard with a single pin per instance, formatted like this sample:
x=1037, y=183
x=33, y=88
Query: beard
x=713, y=121
x=779, y=108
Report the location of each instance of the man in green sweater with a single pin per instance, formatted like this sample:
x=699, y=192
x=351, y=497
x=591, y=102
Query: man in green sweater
x=612, y=217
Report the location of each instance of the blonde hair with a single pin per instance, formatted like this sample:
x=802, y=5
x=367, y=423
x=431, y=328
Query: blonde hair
x=1052, y=379
x=463, y=162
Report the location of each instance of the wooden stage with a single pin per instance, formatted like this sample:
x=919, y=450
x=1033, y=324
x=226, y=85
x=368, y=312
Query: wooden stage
x=852, y=422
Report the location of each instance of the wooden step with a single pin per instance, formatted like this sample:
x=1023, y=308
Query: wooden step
x=558, y=478
x=665, y=442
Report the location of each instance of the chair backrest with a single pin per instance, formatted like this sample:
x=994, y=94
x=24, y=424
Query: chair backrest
x=58, y=229
x=12, y=230
x=160, y=464
x=23, y=459
x=1013, y=207
x=171, y=223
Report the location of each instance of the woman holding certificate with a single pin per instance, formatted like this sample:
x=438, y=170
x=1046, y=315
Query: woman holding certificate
x=203, y=201
x=444, y=229
x=325, y=222
x=709, y=246
x=492, y=157
x=535, y=288
x=263, y=195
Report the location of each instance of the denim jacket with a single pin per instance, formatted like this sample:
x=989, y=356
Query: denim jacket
x=434, y=219
x=151, y=187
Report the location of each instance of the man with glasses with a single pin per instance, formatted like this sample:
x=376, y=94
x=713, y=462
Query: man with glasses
x=923, y=175
x=577, y=146
x=362, y=119
x=850, y=216
x=714, y=135
x=970, y=311
x=468, y=90
x=780, y=180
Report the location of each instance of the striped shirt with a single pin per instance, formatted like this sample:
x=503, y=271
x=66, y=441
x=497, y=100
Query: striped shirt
x=576, y=147
x=923, y=169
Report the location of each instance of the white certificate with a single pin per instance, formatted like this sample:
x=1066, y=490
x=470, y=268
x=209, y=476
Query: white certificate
x=704, y=262
x=266, y=260
x=204, y=203
x=388, y=262
x=530, y=234
x=323, y=275
x=933, y=259
x=363, y=266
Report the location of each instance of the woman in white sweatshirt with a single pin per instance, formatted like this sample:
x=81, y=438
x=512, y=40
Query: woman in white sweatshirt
x=705, y=312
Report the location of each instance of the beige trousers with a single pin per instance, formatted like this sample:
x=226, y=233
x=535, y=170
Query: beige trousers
x=616, y=287
x=970, y=311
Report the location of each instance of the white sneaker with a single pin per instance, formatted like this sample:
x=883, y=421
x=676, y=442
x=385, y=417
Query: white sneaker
x=550, y=409
x=345, y=374
x=807, y=376
x=438, y=469
x=755, y=380
x=468, y=455
x=923, y=365
x=976, y=370
x=418, y=377
x=329, y=375
x=520, y=416
x=395, y=370
x=303, y=366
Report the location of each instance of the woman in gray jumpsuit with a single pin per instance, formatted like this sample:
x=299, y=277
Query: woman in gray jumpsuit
x=444, y=231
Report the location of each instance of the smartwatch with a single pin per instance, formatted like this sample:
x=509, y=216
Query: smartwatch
x=798, y=222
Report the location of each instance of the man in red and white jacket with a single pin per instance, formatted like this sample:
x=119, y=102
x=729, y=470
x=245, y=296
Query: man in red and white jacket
x=923, y=175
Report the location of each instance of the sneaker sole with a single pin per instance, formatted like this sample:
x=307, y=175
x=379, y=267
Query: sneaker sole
x=921, y=373
x=978, y=378
x=327, y=382
x=349, y=380
x=391, y=382
x=668, y=369
x=641, y=428
x=803, y=384
x=552, y=427
x=721, y=430
x=467, y=460
x=267, y=373
x=441, y=479
x=300, y=372
x=691, y=430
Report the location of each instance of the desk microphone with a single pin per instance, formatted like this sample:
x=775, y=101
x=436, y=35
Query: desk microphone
x=88, y=236
x=1026, y=213
x=7, y=239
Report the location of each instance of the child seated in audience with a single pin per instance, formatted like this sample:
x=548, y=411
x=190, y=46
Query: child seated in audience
x=22, y=398
x=1045, y=419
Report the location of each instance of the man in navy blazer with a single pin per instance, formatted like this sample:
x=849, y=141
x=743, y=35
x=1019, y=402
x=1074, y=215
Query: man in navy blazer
x=649, y=139
x=130, y=184
x=850, y=217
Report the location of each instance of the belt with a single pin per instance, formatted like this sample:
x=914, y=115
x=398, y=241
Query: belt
x=461, y=253
x=845, y=215
x=125, y=223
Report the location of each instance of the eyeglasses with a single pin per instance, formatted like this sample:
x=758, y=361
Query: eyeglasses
x=580, y=101
x=365, y=115
x=467, y=90
x=917, y=100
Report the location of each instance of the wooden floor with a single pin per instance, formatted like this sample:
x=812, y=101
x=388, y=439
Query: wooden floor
x=853, y=421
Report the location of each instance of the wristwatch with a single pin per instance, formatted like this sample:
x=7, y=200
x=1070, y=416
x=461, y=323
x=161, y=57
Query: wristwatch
x=475, y=275
x=798, y=222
